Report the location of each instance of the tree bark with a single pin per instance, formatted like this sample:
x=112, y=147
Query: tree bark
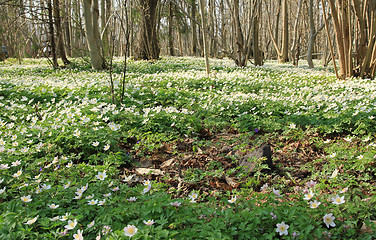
x=276, y=26
x=223, y=25
x=68, y=37
x=148, y=47
x=257, y=56
x=91, y=16
x=52, y=36
x=59, y=32
x=339, y=39
x=170, y=28
x=212, y=50
x=285, y=40
x=294, y=42
x=194, y=28
x=105, y=39
x=329, y=40
x=362, y=29
x=204, y=33
x=238, y=36
x=312, y=35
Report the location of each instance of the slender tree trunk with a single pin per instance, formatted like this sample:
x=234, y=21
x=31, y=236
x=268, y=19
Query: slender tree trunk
x=312, y=35
x=105, y=39
x=285, y=40
x=277, y=19
x=239, y=41
x=91, y=16
x=362, y=30
x=257, y=55
x=108, y=11
x=294, y=42
x=204, y=33
x=148, y=40
x=194, y=28
x=223, y=25
x=329, y=39
x=59, y=32
x=211, y=27
x=105, y=17
x=131, y=30
x=78, y=25
x=68, y=27
x=339, y=39
x=170, y=28
x=52, y=36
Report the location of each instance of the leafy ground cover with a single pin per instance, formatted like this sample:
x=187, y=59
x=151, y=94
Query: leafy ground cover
x=75, y=162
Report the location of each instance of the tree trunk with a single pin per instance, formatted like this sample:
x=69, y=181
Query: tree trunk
x=285, y=40
x=105, y=42
x=204, y=33
x=105, y=16
x=212, y=51
x=257, y=55
x=339, y=39
x=294, y=42
x=59, y=32
x=52, y=36
x=170, y=28
x=67, y=13
x=362, y=29
x=276, y=26
x=148, y=40
x=194, y=28
x=91, y=16
x=78, y=25
x=223, y=25
x=312, y=35
x=238, y=35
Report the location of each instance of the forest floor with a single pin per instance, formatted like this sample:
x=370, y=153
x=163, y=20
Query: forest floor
x=165, y=142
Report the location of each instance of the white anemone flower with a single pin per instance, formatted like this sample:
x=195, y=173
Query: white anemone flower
x=90, y=225
x=26, y=199
x=101, y=175
x=130, y=230
x=53, y=206
x=92, y=202
x=308, y=196
x=148, y=222
x=31, y=221
x=71, y=224
x=175, y=204
x=329, y=220
x=17, y=174
x=338, y=200
x=232, y=200
x=78, y=235
x=314, y=204
x=282, y=229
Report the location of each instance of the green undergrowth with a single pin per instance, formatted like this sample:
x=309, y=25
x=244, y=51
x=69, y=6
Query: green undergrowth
x=69, y=147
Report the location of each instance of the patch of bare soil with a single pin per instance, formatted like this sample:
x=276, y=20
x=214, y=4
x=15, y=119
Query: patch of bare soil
x=213, y=168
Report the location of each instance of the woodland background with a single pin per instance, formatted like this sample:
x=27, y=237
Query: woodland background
x=247, y=31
